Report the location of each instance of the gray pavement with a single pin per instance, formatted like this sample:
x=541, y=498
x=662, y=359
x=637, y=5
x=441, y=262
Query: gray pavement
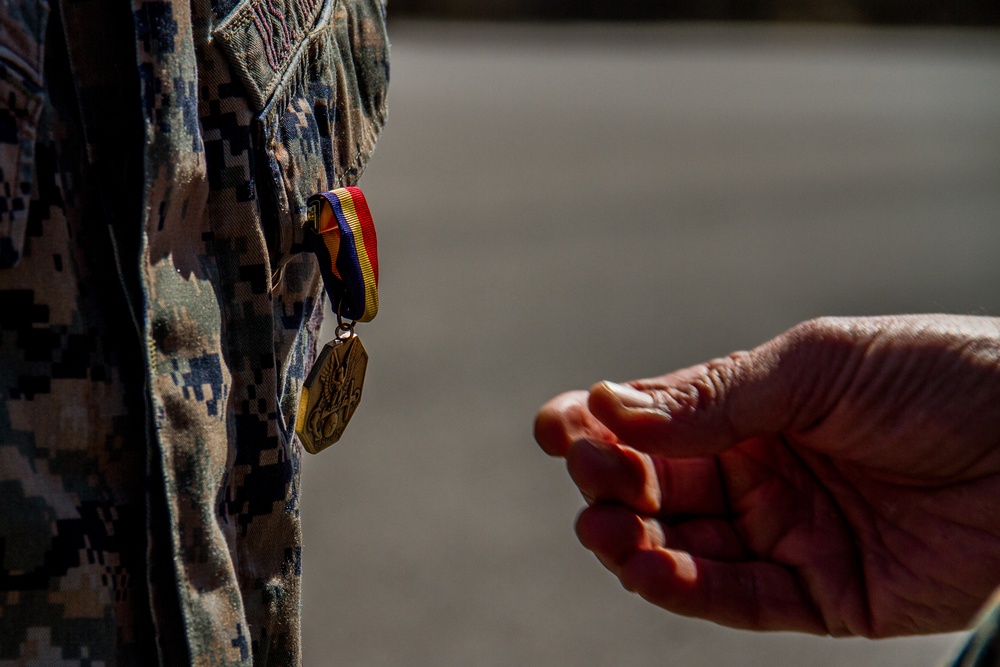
x=559, y=205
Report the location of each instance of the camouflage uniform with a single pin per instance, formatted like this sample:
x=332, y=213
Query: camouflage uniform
x=157, y=315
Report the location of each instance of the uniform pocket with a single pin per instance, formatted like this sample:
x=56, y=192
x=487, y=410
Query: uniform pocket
x=22, y=30
x=316, y=71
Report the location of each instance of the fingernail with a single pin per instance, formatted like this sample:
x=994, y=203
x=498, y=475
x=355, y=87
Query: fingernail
x=630, y=398
x=654, y=536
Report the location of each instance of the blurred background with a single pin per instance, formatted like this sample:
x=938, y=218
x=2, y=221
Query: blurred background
x=888, y=12
x=561, y=201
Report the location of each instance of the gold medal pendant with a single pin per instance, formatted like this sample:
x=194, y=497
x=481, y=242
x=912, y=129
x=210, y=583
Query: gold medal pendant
x=340, y=231
x=332, y=391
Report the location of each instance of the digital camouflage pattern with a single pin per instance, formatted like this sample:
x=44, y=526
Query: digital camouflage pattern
x=157, y=315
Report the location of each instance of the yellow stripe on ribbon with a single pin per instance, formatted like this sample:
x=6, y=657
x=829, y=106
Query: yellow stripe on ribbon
x=351, y=215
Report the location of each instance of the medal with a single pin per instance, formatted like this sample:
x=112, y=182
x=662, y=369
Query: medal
x=341, y=232
x=331, y=392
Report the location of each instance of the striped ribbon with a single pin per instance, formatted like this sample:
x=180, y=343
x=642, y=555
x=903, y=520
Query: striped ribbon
x=342, y=234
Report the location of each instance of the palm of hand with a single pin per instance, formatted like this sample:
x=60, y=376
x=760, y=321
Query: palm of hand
x=858, y=553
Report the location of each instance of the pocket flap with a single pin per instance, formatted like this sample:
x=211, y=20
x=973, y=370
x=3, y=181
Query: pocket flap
x=262, y=37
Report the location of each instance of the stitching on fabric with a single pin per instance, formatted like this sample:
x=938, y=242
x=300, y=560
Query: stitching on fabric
x=259, y=21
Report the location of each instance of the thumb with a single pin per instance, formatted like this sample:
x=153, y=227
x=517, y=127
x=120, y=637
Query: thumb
x=707, y=408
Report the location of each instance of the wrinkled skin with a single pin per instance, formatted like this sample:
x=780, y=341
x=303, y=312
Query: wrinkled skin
x=843, y=478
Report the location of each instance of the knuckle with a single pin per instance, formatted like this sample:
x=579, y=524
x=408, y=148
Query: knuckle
x=704, y=391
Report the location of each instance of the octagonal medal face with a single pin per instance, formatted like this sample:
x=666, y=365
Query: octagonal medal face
x=331, y=393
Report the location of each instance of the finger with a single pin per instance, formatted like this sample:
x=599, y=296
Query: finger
x=566, y=419
x=788, y=384
x=704, y=409
x=714, y=539
x=649, y=485
x=691, y=486
x=755, y=595
x=614, y=533
x=608, y=472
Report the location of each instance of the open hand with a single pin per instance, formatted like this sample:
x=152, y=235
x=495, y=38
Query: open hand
x=843, y=478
